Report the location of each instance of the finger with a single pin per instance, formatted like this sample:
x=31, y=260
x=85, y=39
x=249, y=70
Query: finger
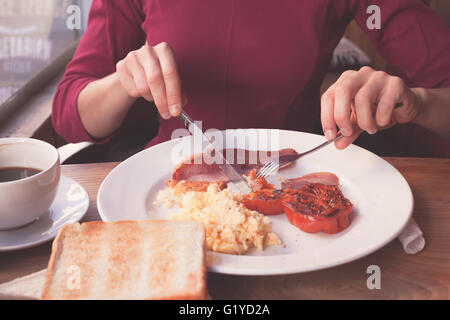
x=366, y=100
x=343, y=98
x=138, y=74
x=327, y=107
x=327, y=114
x=126, y=79
x=391, y=95
x=408, y=110
x=346, y=74
x=171, y=78
x=344, y=142
x=155, y=80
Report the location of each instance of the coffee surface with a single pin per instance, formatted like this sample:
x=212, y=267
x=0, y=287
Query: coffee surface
x=16, y=173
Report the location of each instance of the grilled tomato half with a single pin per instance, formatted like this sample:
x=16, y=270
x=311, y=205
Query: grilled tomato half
x=317, y=208
x=265, y=201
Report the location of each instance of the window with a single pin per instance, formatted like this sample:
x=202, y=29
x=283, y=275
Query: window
x=33, y=33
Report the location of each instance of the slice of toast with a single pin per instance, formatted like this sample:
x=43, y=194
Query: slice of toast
x=127, y=260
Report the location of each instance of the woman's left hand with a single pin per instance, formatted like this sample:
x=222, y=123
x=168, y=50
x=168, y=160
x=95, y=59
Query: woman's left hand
x=364, y=100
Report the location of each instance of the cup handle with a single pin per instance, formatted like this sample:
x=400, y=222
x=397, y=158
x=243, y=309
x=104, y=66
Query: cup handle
x=68, y=150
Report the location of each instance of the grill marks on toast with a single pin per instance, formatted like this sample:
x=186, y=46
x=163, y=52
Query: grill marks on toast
x=79, y=277
x=123, y=266
x=163, y=261
x=128, y=260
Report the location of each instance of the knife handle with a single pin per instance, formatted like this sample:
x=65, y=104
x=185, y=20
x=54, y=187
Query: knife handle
x=187, y=121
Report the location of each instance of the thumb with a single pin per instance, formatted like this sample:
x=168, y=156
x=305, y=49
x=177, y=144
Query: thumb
x=344, y=142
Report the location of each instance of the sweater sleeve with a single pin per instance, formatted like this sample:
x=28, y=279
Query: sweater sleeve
x=412, y=38
x=114, y=29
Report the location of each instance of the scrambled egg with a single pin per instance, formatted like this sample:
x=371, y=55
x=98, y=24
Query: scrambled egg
x=230, y=227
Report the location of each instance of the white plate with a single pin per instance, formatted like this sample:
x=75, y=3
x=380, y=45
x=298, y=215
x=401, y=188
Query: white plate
x=70, y=205
x=382, y=201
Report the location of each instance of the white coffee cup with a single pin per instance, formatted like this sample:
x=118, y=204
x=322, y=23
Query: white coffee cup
x=23, y=201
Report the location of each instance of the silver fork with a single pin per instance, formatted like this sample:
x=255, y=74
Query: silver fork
x=283, y=160
x=272, y=166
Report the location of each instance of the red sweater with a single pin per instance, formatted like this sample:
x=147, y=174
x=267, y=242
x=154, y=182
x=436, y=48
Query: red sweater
x=257, y=64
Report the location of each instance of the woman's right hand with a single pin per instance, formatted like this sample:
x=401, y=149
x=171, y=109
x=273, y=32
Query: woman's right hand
x=151, y=73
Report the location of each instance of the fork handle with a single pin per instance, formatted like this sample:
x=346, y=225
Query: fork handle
x=339, y=135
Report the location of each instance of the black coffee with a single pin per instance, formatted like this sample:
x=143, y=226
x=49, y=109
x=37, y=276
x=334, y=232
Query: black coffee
x=16, y=173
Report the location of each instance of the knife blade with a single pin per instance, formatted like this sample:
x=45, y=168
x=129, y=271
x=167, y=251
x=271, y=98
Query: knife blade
x=235, y=178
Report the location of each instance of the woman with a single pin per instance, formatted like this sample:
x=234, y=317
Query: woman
x=256, y=64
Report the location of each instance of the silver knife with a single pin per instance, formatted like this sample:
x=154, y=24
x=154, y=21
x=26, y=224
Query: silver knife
x=235, y=178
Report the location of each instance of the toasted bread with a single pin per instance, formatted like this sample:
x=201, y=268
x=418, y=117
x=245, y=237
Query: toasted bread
x=127, y=260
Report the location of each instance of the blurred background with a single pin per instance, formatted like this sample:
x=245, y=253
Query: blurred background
x=32, y=35
x=38, y=39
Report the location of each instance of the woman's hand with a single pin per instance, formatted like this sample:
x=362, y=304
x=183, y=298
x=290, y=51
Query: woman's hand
x=364, y=100
x=151, y=73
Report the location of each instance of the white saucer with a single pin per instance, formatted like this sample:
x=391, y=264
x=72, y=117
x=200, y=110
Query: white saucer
x=70, y=205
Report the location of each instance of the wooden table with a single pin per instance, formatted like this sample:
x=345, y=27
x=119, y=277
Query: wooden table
x=422, y=276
